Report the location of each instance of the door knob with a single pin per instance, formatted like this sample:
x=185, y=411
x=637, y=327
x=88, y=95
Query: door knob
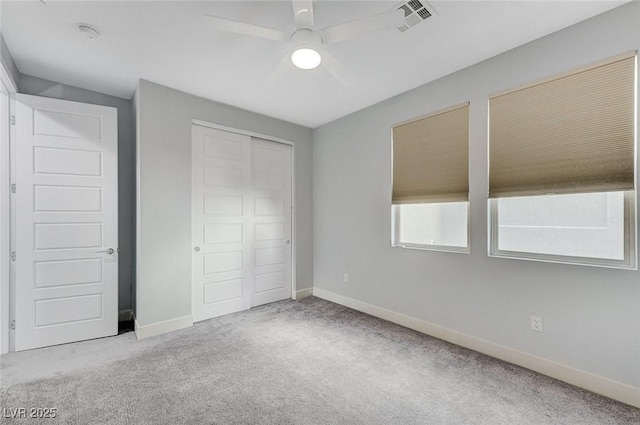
x=108, y=251
x=196, y=249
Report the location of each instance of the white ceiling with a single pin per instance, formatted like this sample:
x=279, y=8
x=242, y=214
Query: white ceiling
x=170, y=43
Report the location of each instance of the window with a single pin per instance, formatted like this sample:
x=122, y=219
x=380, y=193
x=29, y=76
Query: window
x=431, y=182
x=561, y=168
x=435, y=225
x=590, y=228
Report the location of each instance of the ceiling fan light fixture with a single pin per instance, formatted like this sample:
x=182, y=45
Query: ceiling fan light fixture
x=306, y=58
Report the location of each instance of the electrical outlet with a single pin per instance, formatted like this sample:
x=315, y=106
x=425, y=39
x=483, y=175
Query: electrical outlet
x=346, y=278
x=536, y=323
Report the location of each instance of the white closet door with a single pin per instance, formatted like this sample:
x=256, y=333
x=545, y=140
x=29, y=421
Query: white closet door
x=271, y=182
x=66, y=268
x=241, y=222
x=221, y=186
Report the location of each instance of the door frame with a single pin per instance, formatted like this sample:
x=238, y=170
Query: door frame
x=293, y=185
x=6, y=205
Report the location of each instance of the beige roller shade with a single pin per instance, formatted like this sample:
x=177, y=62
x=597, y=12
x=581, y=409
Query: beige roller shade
x=572, y=134
x=431, y=158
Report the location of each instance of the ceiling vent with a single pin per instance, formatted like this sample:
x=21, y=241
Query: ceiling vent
x=415, y=11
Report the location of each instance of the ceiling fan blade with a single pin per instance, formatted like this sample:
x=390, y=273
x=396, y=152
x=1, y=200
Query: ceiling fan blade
x=334, y=66
x=280, y=70
x=342, y=32
x=303, y=13
x=244, y=28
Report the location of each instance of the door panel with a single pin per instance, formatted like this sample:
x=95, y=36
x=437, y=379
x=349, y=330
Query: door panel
x=66, y=214
x=67, y=162
x=67, y=272
x=271, y=246
x=241, y=222
x=221, y=176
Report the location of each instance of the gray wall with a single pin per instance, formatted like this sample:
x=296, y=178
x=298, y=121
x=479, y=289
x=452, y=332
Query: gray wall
x=7, y=61
x=164, y=195
x=591, y=315
x=126, y=168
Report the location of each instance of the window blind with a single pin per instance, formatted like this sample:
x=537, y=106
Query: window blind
x=572, y=134
x=431, y=158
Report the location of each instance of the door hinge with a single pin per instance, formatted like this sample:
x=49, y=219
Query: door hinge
x=13, y=188
x=12, y=326
x=13, y=119
x=13, y=256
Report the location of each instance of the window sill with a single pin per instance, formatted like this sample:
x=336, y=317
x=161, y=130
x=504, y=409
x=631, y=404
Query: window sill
x=575, y=261
x=440, y=248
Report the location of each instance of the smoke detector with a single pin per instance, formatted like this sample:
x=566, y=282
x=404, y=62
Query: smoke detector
x=415, y=12
x=88, y=30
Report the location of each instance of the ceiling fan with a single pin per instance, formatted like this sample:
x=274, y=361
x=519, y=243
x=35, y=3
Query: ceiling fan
x=308, y=44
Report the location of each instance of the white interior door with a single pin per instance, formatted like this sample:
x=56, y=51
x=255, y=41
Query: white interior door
x=241, y=222
x=221, y=180
x=66, y=227
x=271, y=197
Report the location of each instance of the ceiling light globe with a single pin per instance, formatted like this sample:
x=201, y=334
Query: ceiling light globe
x=306, y=58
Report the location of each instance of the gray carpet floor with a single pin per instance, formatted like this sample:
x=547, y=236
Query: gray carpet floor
x=306, y=362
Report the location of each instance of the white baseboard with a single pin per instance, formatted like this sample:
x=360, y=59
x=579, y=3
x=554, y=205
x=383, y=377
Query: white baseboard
x=125, y=315
x=162, y=327
x=580, y=378
x=303, y=293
